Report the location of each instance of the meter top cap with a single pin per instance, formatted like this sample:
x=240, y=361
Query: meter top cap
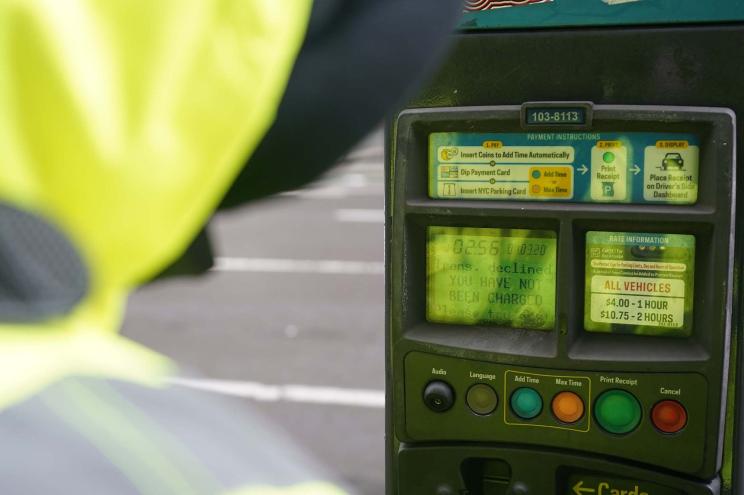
x=495, y=14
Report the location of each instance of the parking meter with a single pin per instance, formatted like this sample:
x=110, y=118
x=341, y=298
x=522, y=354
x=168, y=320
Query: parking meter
x=562, y=264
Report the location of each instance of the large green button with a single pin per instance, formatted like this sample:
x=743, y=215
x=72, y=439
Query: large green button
x=526, y=403
x=618, y=411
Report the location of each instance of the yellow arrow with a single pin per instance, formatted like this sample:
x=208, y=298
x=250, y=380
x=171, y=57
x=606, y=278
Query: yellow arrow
x=580, y=490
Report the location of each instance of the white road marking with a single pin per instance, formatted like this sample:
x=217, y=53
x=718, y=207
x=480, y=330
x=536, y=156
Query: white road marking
x=288, y=393
x=359, y=215
x=341, y=186
x=337, y=192
x=275, y=265
x=370, y=168
x=376, y=152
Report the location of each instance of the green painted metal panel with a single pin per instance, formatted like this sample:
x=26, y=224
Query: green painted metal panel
x=573, y=13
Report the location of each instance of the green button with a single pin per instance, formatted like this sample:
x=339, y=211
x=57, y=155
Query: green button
x=618, y=411
x=526, y=403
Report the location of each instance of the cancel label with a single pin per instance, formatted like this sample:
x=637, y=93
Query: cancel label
x=599, y=485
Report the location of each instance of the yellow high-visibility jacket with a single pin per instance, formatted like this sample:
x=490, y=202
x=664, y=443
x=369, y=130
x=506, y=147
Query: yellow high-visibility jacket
x=122, y=124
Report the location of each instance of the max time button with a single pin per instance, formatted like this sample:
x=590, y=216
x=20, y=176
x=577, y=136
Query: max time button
x=568, y=407
x=618, y=411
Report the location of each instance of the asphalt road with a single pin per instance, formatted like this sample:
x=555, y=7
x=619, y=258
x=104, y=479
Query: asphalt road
x=292, y=319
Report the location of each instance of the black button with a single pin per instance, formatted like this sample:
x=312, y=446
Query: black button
x=439, y=396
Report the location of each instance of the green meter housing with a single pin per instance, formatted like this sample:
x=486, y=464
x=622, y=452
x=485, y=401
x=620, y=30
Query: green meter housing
x=562, y=310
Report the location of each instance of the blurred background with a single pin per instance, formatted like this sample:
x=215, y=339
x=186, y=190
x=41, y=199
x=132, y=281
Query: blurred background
x=291, y=320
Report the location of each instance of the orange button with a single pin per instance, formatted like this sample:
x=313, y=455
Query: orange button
x=568, y=407
x=669, y=416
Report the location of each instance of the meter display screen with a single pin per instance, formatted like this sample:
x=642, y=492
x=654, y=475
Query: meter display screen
x=582, y=167
x=639, y=283
x=485, y=276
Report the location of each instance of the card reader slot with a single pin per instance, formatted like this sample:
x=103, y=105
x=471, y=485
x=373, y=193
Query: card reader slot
x=486, y=476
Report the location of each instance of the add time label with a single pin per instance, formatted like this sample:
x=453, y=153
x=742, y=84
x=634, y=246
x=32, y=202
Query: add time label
x=639, y=283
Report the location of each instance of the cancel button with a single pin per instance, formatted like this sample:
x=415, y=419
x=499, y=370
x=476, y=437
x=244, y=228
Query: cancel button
x=592, y=484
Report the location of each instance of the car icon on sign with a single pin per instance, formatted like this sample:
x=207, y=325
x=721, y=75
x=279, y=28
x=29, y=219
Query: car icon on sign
x=672, y=161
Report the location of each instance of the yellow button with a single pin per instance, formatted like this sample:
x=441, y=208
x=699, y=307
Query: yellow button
x=568, y=407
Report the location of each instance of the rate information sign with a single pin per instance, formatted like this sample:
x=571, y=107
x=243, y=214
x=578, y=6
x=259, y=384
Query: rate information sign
x=639, y=283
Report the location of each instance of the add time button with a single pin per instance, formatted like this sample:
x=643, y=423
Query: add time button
x=526, y=403
x=618, y=411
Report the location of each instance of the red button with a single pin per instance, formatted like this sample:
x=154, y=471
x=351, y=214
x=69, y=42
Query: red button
x=669, y=416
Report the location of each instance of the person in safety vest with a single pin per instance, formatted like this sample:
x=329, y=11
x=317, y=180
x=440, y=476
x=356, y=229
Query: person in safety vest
x=123, y=125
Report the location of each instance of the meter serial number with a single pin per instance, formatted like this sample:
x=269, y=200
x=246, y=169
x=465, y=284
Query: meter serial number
x=555, y=117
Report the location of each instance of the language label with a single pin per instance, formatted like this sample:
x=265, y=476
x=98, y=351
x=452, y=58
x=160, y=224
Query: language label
x=639, y=283
x=502, y=277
